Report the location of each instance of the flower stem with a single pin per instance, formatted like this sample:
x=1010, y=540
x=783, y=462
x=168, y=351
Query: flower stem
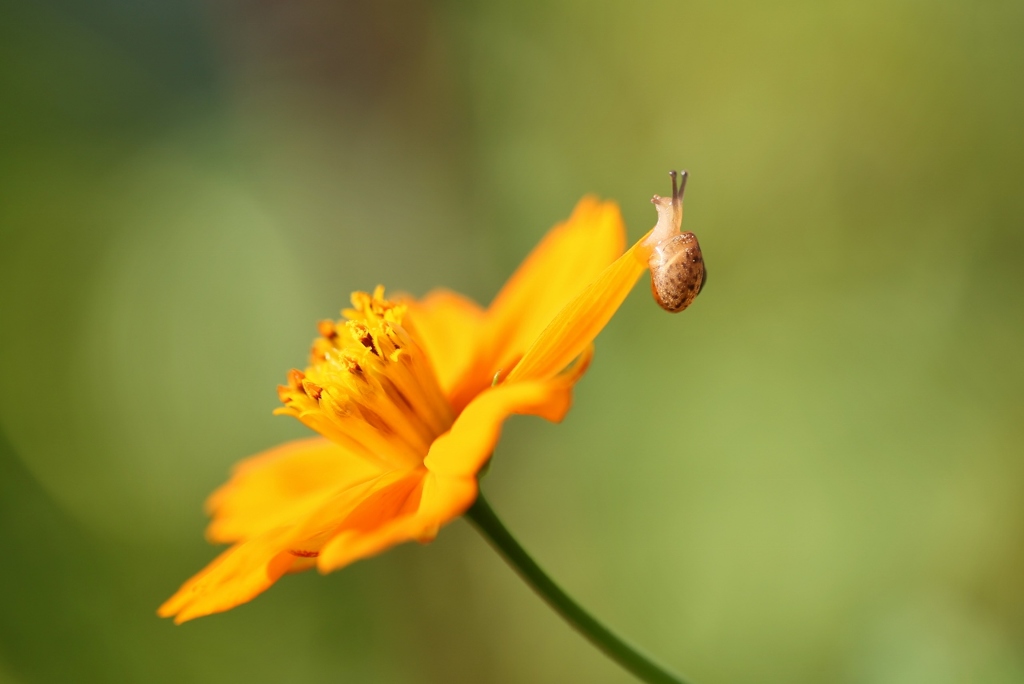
x=640, y=665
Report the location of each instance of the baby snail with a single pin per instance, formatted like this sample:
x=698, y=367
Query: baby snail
x=677, y=266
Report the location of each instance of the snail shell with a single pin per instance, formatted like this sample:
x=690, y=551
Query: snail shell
x=676, y=263
x=677, y=272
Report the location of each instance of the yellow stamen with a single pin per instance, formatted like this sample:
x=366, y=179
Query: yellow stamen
x=370, y=386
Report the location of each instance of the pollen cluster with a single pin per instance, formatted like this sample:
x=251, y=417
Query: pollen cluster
x=369, y=385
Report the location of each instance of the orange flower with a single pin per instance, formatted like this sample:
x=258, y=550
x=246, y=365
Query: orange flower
x=409, y=398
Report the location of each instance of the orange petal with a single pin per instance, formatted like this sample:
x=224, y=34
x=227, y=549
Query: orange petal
x=443, y=499
x=450, y=487
x=282, y=485
x=463, y=450
x=574, y=328
x=572, y=255
x=250, y=567
x=380, y=522
x=447, y=326
x=236, y=576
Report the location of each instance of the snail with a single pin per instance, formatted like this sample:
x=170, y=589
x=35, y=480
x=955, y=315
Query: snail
x=677, y=266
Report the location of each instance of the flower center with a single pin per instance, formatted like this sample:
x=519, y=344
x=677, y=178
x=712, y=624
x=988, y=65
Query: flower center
x=369, y=386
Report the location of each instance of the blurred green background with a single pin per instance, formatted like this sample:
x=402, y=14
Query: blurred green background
x=813, y=475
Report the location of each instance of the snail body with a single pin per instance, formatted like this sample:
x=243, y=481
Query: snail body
x=676, y=263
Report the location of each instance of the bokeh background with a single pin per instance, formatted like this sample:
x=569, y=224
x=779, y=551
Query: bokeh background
x=813, y=475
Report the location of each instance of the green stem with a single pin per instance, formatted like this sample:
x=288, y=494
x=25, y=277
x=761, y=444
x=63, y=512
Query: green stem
x=642, y=666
